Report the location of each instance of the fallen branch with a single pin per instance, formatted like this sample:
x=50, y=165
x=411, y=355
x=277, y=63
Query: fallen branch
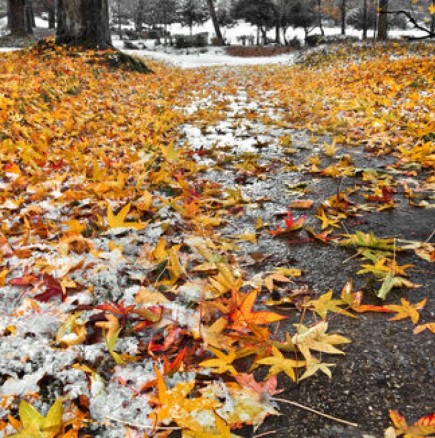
x=306, y=408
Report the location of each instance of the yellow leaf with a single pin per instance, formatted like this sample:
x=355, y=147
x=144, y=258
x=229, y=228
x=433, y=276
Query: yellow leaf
x=223, y=363
x=3, y=274
x=118, y=221
x=35, y=425
x=279, y=363
x=249, y=237
x=422, y=327
x=407, y=310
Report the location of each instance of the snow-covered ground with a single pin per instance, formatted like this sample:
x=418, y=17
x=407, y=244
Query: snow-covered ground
x=214, y=56
x=206, y=57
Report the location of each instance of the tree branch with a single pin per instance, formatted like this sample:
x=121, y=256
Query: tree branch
x=414, y=22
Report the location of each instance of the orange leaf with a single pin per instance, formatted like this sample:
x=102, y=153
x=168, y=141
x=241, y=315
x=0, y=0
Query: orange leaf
x=243, y=316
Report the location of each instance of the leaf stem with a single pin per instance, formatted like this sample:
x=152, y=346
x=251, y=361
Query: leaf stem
x=140, y=426
x=306, y=408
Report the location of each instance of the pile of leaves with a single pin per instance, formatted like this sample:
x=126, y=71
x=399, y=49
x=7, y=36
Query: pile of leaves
x=124, y=306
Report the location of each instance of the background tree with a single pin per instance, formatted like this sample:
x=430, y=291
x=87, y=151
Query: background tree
x=383, y=20
x=224, y=13
x=20, y=23
x=193, y=12
x=365, y=19
x=84, y=23
x=343, y=11
x=319, y=17
x=50, y=6
x=302, y=14
x=260, y=13
x=214, y=18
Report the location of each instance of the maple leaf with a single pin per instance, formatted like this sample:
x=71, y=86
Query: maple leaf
x=117, y=309
x=313, y=366
x=72, y=331
x=278, y=363
x=212, y=335
x=173, y=404
x=423, y=427
x=112, y=330
x=301, y=204
x=223, y=363
x=118, y=221
x=270, y=279
x=422, y=327
x=316, y=339
x=369, y=241
x=407, y=310
x=267, y=387
x=390, y=281
x=242, y=315
x=328, y=221
x=354, y=299
x=25, y=280
x=291, y=224
x=325, y=303
x=34, y=425
x=221, y=430
x=384, y=266
x=3, y=275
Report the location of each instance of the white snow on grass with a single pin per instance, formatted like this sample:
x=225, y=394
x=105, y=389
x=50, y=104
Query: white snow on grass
x=212, y=56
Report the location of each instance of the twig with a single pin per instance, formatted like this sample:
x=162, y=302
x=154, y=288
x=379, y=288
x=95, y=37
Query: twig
x=140, y=426
x=271, y=432
x=350, y=258
x=306, y=408
x=430, y=237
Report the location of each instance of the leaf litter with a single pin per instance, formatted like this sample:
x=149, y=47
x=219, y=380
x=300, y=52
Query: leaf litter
x=145, y=229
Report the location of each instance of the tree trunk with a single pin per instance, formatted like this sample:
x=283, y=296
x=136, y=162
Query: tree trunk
x=84, y=23
x=217, y=29
x=432, y=22
x=51, y=17
x=119, y=20
x=19, y=23
x=343, y=16
x=30, y=16
x=277, y=34
x=319, y=17
x=383, y=20
x=365, y=17
x=9, y=14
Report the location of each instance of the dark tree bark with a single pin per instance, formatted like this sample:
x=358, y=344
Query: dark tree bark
x=50, y=5
x=383, y=20
x=9, y=14
x=30, y=16
x=19, y=22
x=319, y=17
x=217, y=28
x=343, y=16
x=84, y=23
x=365, y=19
x=432, y=22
